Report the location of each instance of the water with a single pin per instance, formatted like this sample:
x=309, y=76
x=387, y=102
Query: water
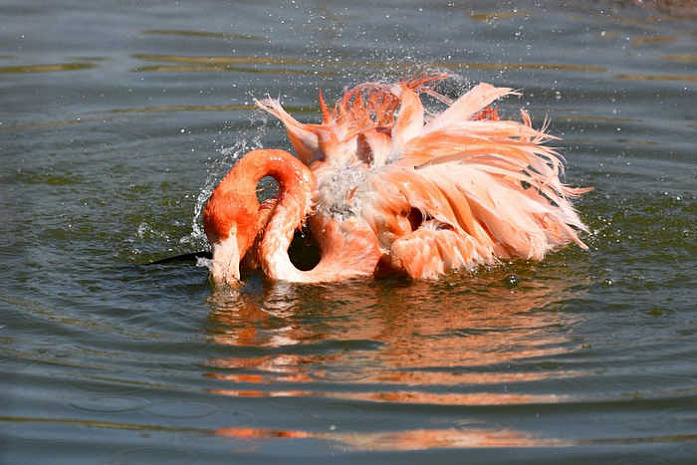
x=116, y=118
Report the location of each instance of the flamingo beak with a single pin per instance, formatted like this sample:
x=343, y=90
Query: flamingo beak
x=225, y=265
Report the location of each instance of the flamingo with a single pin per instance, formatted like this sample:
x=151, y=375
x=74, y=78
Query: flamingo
x=388, y=188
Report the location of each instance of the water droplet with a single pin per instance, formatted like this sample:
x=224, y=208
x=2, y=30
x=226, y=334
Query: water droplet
x=511, y=281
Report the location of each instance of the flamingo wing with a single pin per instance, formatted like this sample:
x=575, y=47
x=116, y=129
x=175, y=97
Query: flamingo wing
x=433, y=250
x=491, y=185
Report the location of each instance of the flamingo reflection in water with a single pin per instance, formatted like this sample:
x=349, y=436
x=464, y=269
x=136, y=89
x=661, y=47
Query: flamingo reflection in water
x=450, y=343
x=389, y=188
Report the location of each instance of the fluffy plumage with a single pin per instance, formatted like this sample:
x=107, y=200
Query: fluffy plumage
x=439, y=192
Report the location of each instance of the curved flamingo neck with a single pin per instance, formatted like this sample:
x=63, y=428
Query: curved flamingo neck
x=246, y=174
x=234, y=202
x=296, y=184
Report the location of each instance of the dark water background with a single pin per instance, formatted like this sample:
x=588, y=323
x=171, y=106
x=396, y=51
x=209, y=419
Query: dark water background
x=117, y=117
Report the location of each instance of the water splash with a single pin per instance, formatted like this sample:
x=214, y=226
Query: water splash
x=229, y=156
x=202, y=262
x=245, y=141
x=146, y=230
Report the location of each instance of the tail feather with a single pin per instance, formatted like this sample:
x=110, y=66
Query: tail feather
x=410, y=120
x=303, y=137
x=323, y=108
x=467, y=106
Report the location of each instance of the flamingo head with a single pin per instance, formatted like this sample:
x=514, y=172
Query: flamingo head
x=230, y=225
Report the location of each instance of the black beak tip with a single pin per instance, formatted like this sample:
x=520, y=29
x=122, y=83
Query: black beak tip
x=191, y=258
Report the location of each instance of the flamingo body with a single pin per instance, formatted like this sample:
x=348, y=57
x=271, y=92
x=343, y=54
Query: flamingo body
x=386, y=187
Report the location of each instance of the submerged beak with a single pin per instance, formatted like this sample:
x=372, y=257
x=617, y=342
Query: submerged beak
x=225, y=265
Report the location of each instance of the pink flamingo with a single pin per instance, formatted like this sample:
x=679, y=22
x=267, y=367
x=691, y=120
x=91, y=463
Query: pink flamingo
x=388, y=188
